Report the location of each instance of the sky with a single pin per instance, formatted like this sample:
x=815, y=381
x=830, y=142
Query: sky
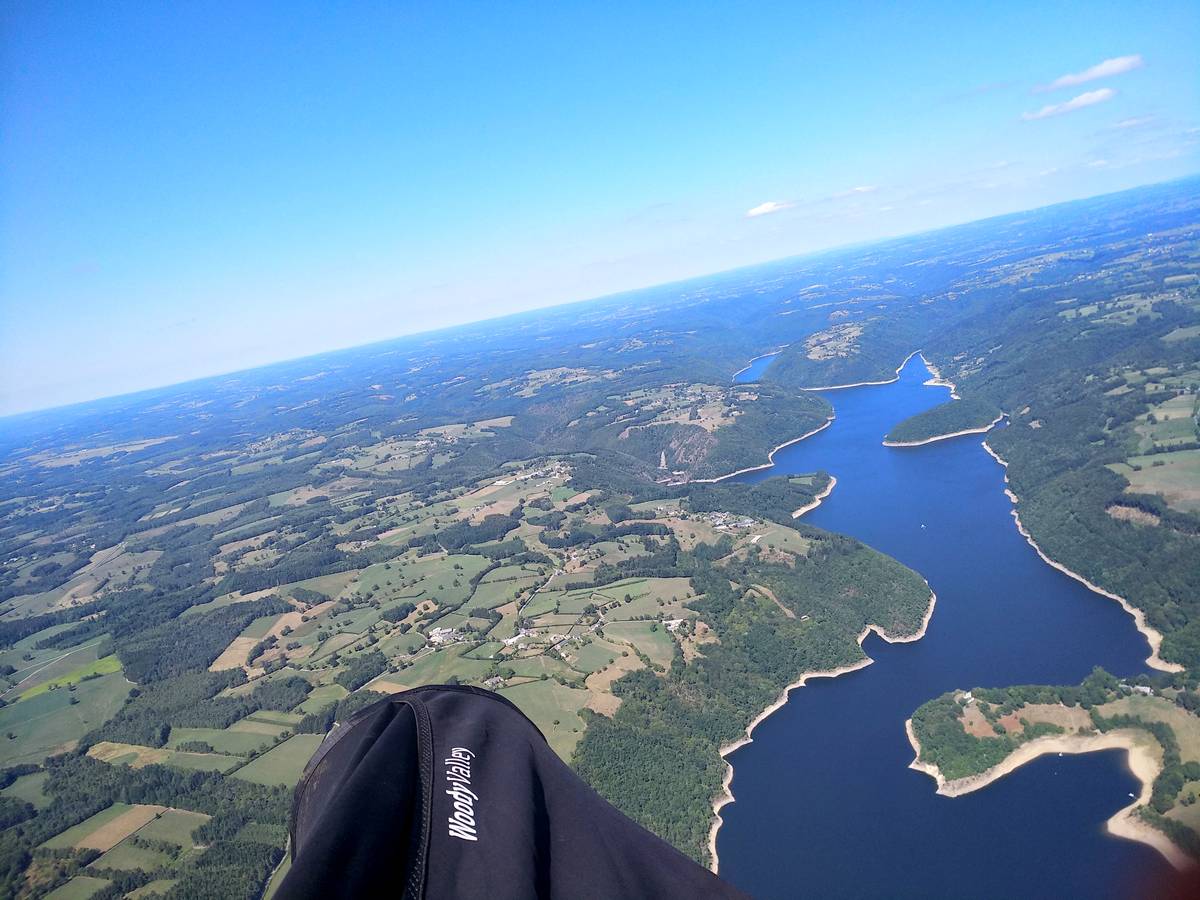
x=193, y=188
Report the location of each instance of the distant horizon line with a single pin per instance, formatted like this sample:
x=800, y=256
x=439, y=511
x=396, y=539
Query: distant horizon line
x=840, y=248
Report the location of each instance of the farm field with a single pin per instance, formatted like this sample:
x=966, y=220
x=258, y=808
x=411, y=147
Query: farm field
x=49, y=722
x=1174, y=475
x=107, y=828
x=283, y=764
x=554, y=708
x=81, y=887
x=46, y=666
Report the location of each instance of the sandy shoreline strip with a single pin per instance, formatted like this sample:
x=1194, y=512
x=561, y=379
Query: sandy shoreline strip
x=1143, y=762
x=770, y=456
x=816, y=500
x=841, y=387
x=982, y=429
x=726, y=795
x=938, y=380
x=1152, y=635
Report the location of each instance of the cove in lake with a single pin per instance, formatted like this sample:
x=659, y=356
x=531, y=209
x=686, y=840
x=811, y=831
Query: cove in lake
x=825, y=804
x=755, y=370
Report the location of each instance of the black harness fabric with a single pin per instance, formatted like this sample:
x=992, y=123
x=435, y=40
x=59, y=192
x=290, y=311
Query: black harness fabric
x=452, y=792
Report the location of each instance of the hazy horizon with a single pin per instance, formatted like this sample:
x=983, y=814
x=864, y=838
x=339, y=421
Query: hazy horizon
x=847, y=247
x=183, y=195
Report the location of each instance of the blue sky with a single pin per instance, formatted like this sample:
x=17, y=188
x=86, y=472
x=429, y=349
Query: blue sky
x=187, y=189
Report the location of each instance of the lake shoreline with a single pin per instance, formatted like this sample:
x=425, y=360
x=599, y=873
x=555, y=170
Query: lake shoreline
x=1152, y=635
x=816, y=500
x=842, y=387
x=726, y=794
x=1124, y=823
x=770, y=456
x=753, y=360
x=938, y=380
x=982, y=429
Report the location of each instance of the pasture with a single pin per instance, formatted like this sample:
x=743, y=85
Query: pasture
x=50, y=723
x=283, y=764
x=1174, y=475
x=29, y=788
x=105, y=829
x=81, y=887
x=129, y=856
x=554, y=708
x=651, y=638
x=174, y=826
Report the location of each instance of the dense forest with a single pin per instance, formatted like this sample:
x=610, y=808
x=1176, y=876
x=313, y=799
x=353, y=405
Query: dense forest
x=951, y=417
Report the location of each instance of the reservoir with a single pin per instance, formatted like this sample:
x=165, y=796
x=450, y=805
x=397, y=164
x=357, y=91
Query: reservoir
x=755, y=370
x=825, y=805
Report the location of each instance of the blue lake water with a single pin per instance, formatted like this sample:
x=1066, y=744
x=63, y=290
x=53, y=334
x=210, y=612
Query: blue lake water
x=755, y=370
x=825, y=805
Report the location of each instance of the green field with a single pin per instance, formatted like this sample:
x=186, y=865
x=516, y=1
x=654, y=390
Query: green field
x=656, y=642
x=496, y=593
x=76, y=833
x=157, y=888
x=547, y=702
x=29, y=789
x=45, y=665
x=333, y=645
x=594, y=656
x=49, y=723
x=536, y=666
x=322, y=696
x=397, y=644
x=646, y=596
x=1182, y=333
x=431, y=577
x=127, y=855
x=786, y=539
x=106, y=666
x=544, y=602
x=78, y=888
x=576, y=601
x=259, y=627
x=1174, y=423
x=504, y=629
x=1174, y=475
x=222, y=740
x=174, y=826
x=436, y=667
x=486, y=650
x=330, y=585
x=250, y=686
x=202, y=762
x=283, y=764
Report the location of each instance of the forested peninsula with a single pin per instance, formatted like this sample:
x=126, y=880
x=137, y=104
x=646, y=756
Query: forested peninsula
x=949, y=419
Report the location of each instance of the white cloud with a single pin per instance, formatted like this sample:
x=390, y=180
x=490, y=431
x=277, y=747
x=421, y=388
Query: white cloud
x=1090, y=98
x=771, y=206
x=1118, y=65
x=854, y=191
x=1136, y=122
